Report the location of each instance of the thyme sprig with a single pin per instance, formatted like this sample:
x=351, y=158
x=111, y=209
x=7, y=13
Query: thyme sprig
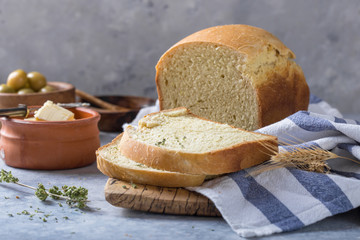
x=74, y=196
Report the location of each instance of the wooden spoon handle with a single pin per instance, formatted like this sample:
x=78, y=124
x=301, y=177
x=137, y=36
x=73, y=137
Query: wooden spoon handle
x=97, y=101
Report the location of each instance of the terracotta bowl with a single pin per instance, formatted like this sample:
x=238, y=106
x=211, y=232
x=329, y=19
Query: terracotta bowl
x=112, y=121
x=50, y=145
x=65, y=93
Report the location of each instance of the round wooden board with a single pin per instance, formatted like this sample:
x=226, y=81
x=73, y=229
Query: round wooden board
x=158, y=199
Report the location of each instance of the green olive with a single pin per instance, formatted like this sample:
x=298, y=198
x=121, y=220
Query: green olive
x=17, y=79
x=27, y=85
x=6, y=89
x=36, y=80
x=25, y=91
x=47, y=88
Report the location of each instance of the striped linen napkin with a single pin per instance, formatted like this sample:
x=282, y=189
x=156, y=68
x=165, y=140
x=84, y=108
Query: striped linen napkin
x=287, y=199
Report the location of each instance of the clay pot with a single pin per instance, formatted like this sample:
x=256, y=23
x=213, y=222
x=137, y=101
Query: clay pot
x=50, y=145
x=65, y=93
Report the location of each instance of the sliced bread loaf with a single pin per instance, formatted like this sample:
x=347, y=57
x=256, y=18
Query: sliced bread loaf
x=235, y=74
x=112, y=163
x=177, y=140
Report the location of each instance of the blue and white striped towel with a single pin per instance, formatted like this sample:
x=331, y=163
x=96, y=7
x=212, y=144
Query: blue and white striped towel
x=287, y=199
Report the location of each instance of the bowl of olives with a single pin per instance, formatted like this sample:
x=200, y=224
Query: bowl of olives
x=33, y=89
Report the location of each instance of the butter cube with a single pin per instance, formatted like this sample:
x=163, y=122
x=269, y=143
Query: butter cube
x=52, y=112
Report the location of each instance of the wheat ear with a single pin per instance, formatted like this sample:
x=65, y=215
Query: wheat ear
x=311, y=158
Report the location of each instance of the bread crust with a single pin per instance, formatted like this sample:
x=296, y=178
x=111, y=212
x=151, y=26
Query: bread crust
x=216, y=162
x=285, y=94
x=285, y=90
x=144, y=176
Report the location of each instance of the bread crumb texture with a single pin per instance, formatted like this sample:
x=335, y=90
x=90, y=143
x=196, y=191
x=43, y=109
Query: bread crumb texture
x=188, y=133
x=112, y=154
x=210, y=70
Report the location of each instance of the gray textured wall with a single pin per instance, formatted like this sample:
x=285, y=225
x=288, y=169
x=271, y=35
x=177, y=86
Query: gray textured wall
x=112, y=46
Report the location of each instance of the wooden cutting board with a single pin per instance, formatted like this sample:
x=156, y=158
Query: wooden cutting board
x=158, y=199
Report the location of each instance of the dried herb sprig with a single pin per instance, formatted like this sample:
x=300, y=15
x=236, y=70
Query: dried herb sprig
x=7, y=177
x=41, y=192
x=74, y=196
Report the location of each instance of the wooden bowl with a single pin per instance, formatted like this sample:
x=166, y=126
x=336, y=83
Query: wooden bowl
x=50, y=145
x=65, y=93
x=112, y=120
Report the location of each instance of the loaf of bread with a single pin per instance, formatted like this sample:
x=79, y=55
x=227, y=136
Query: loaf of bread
x=112, y=163
x=235, y=74
x=178, y=141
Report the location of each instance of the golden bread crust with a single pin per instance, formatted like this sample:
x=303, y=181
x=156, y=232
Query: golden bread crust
x=145, y=176
x=246, y=39
x=284, y=95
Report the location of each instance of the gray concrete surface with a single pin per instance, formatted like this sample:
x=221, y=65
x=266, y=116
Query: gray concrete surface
x=111, y=46
x=104, y=221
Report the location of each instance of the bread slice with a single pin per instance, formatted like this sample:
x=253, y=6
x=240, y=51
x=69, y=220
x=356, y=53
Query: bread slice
x=235, y=74
x=112, y=163
x=179, y=141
